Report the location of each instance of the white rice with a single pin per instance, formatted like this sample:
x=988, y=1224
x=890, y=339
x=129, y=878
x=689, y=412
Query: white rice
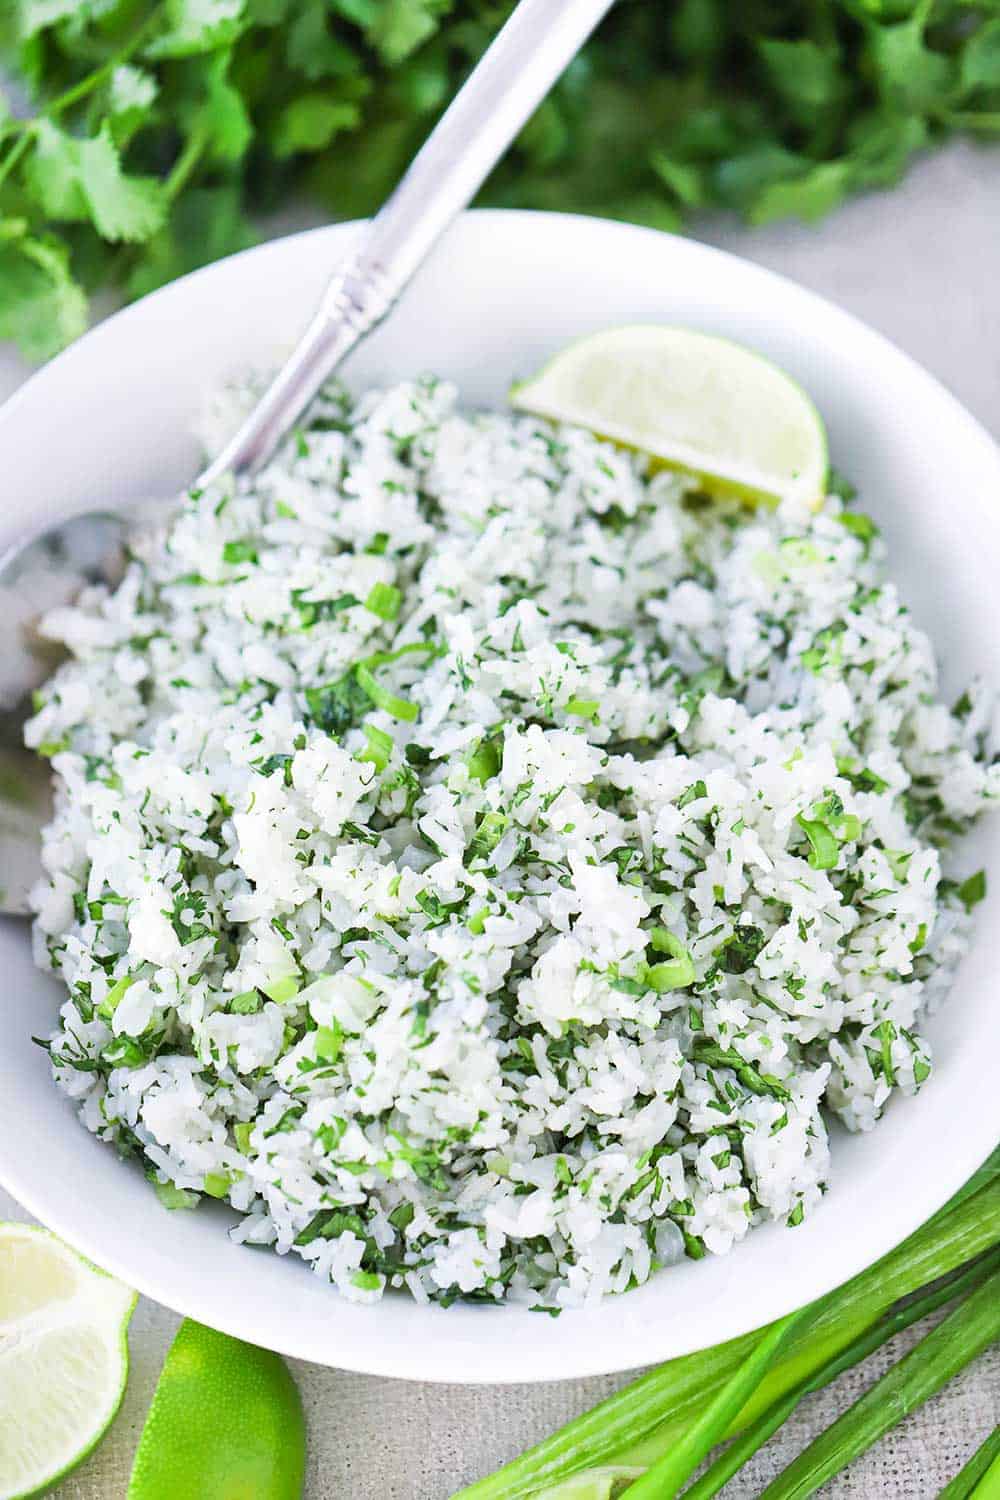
x=550, y=962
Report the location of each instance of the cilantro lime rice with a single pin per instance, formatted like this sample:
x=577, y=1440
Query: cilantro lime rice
x=490, y=866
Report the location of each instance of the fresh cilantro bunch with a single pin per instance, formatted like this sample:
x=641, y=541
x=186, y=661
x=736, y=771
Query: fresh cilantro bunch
x=140, y=138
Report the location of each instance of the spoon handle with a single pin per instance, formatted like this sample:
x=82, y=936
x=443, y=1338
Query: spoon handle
x=514, y=75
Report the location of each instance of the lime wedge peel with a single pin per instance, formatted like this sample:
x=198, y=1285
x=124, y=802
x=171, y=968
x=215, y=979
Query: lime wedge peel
x=63, y=1358
x=693, y=401
x=226, y=1420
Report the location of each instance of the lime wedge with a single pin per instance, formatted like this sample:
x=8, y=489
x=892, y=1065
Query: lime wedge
x=226, y=1422
x=694, y=402
x=63, y=1357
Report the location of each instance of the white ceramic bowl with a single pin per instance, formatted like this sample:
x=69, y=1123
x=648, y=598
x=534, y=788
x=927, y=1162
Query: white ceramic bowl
x=111, y=418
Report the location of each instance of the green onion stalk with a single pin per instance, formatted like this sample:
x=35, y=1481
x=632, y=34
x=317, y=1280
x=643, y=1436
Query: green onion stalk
x=650, y=1437
x=960, y=1338
x=982, y=1470
x=911, y=1310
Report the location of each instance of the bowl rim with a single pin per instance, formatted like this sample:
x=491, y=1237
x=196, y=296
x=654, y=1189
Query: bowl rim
x=969, y=1146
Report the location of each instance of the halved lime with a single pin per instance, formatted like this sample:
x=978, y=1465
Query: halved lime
x=226, y=1422
x=694, y=402
x=63, y=1357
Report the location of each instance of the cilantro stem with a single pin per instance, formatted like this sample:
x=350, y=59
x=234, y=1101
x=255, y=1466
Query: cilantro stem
x=91, y=81
x=185, y=163
x=99, y=75
x=24, y=130
x=18, y=149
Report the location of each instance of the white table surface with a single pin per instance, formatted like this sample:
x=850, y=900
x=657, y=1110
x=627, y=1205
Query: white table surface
x=920, y=264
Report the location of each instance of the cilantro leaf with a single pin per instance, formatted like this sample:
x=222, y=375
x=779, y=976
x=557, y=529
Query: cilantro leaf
x=806, y=75
x=310, y=123
x=77, y=179
x=206, y=224
x=131, y=95
x=911, y=76
x=221, y=120
x=195, y=26
x=809, y=196
x=122, y=207
x=161, y=131
x=980, y=67
x=397, y=27
x=41, y=306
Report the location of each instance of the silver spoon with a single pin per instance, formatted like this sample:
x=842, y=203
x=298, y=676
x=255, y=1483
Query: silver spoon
x=514, y=75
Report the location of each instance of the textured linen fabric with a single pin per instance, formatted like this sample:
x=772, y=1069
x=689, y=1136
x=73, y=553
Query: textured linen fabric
x=918, y=264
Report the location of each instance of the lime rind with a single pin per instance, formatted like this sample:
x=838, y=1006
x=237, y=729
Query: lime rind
x=226, y=1418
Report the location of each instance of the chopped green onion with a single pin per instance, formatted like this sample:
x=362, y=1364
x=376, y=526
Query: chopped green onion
x=241, y=1134
x=485, y=760
x=379, y=747
x=282, y=990
x=390, y=703
x=749, y=1075
x=674, y=975
x=850, y=828
x=217, y=1184
x=239, y=552
x=329, y=1043
x=920, y=939
x=384, y=600
x=109, y=1004
x=383, y=658
x=368, y=1281
x=399, y=708
x=490, y=830
x=247, y=1003
x=823, y=846
x=584, y=708
x=174, y=1197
